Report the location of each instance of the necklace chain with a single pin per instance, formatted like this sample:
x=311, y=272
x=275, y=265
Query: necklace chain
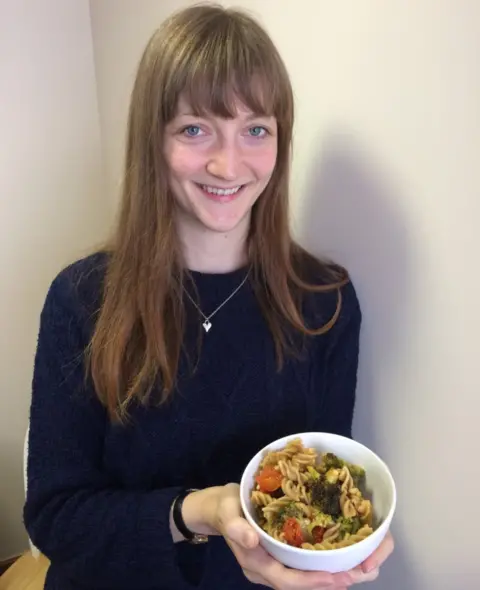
x=207, y=324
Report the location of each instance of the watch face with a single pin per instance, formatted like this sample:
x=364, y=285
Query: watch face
x=199, y=539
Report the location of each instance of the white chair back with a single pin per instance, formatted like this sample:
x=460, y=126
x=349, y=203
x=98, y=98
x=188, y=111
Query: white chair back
x=33, y=549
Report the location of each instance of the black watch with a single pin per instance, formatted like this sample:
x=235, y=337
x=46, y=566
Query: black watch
x=190, y=537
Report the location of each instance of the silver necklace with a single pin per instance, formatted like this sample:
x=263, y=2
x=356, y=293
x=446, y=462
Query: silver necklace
x=207, y=324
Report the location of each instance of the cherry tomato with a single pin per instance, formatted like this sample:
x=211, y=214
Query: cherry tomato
x=269, y=479
x=317, y=534
x=293, y=532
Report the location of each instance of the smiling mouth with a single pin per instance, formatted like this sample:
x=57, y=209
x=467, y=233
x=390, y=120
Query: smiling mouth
x=218, y=193
x=222, y=192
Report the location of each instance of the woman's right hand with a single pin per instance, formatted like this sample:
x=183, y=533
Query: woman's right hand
x=226, y=517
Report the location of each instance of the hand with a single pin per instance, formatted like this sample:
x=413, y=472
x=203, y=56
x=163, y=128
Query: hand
x=368, y=571
x=379, y=556
x=257, y=565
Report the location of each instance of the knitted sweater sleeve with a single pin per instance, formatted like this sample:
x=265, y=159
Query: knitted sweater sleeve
x=339, y=371
x=99, y=535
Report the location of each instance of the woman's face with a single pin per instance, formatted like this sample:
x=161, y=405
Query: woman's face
x=219, y=167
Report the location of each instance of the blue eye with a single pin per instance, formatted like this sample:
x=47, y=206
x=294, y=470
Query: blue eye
x=192, y=130
x=258, y=131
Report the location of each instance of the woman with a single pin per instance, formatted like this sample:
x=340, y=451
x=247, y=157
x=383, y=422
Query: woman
x=200, y=334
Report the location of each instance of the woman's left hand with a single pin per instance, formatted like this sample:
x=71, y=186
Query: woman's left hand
x=368, y=571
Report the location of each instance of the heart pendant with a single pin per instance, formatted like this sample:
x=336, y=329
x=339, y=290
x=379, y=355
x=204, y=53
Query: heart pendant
x=207, y=325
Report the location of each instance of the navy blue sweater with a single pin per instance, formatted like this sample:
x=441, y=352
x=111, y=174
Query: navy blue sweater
x=99, y=494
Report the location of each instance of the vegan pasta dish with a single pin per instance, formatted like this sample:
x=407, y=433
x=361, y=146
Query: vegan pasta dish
x=312, y=500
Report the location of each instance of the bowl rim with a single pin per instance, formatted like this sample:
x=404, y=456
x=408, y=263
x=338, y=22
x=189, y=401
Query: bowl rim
x=300, y=550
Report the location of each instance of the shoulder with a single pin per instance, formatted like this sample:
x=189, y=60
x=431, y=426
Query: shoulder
x=320, y=306
x=76, y=291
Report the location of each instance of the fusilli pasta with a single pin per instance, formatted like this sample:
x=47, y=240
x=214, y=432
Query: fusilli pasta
x=261, y=499
x=312, y=500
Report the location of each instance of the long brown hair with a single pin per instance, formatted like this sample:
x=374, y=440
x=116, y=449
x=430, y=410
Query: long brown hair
x=211, y=56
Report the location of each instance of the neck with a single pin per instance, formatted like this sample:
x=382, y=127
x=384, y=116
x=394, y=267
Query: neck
x=213, y=252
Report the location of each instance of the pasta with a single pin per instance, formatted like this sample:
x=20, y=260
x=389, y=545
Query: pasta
x=275, y=508
x=314, y=501
x=347, y=506
x=261, y=499
x=291, y=471
x=273, y=457
x=296, y=492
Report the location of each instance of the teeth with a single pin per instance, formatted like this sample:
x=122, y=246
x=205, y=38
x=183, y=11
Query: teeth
x=220, y=191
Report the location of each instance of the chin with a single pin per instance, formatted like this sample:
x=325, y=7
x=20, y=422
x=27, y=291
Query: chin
x=236, y=217
x=226, y=226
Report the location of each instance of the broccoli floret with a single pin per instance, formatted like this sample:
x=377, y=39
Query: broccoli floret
x=331, y=461
x=331, y=464
x=289, y=511
x=332, y=475
x=349, y=525
x=313, y=473
x=326, y=497
x=356, y=470
x=292, y=511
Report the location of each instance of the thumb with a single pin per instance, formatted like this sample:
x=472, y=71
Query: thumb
x=239, y=531
x=236, y=528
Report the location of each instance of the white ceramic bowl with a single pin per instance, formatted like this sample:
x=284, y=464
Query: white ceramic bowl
x=380, y=484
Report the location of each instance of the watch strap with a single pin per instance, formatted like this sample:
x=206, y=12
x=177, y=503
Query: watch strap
x=190, y=536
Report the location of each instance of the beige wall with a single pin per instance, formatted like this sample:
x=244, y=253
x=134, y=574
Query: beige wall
x=52, y=207
x=386, y=180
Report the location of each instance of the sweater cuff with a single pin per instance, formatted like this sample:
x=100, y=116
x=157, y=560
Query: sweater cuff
x=154, y=523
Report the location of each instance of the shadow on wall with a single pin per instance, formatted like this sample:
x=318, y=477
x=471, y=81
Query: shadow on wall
x=352, y=215
x=10, y=515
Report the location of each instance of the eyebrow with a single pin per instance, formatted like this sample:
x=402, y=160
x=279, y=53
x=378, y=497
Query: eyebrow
x=251, y=117
x=258, y=116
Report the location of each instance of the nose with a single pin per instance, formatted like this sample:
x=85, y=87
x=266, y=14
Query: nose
x=225, y=161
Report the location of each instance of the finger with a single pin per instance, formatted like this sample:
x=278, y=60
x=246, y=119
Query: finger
x=337, y=586
x=359, y=576
x=250, y=560
x=278, y=576
x=255, y=578
x=281, y=577
x=239, y=531
x=371, y=576
x=380, y=555
x=275, y=574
